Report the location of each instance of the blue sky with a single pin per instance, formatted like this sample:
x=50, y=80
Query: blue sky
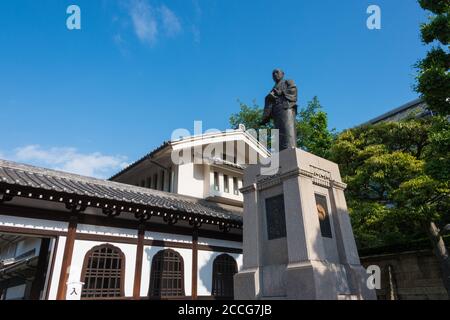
x=91, y=100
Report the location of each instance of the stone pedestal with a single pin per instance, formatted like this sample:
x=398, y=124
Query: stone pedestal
x=298, y=240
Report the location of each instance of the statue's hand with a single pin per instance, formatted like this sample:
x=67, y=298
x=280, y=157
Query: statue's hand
x=277, y=92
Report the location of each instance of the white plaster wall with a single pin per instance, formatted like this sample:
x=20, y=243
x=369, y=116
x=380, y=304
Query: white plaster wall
x=107, y=231
x=54, y=281
x=190, y=180
x=205, y=269
x=35, y=224
x=52, y=252
x=149, y=252
x=221, y=192
x=81, y=247
x=150, y=235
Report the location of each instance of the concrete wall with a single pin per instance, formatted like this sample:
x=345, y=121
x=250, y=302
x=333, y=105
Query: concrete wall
x=415, y=275
x=190, y=180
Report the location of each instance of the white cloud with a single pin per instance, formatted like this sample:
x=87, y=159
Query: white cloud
x=144, y=21
x=170, y=21
x=70, y=160
x=148, y=20
x=197, y=18
x=196, y=33
x=121, y=44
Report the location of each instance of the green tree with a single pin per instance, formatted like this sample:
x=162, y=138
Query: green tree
x=395, y=192
x=312, y=129
x=433, y=80
x=426, y=193
x=250, y=116
x=312, y=126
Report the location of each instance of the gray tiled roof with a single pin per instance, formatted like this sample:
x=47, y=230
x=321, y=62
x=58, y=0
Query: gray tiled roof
x=147, y=156
x=14, y=175
x=393, y=112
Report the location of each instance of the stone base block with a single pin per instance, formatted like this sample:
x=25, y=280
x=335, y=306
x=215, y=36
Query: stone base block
x=246, y=285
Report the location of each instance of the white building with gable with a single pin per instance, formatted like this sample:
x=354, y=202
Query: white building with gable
x=158, y=229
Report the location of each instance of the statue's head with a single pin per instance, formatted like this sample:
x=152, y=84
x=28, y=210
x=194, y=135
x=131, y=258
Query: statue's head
x=277, y=75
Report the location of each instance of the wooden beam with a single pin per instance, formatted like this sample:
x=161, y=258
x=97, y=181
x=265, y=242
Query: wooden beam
x=67, y=258
x=138, y=267
x=194, y=263
x=62, y=215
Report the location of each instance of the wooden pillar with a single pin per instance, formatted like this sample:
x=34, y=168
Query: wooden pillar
x=194, y=263
x=139, y=257
x=41, y=270
x=67, y=258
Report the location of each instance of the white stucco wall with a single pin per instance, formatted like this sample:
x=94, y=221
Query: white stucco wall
x=35, y=224
x=190, y=180
x=106, y=231
x=80, y=249
x=167, y=237
x=149, y=252
x=57, y=268
x=205, y=269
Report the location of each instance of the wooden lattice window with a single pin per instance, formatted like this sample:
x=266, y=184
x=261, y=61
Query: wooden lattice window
x=167, y=275
x=224, y=269
x=103, y=273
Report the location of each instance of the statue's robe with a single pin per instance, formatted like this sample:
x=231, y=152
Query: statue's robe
x=282, y=108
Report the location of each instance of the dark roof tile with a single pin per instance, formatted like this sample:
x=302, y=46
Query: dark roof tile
x=15, y=174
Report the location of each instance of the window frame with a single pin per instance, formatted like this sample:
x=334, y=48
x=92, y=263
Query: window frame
x=226, y=183
x=216, y=182
x=235, y=186
x=152, y=288
x=155, y=181
x=122, y=270
x=215, y=274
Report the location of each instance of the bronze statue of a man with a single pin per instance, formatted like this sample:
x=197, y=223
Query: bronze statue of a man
x=281, y=106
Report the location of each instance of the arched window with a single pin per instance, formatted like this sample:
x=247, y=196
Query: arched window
x=103, y=272
x=224, y=269
x=167, y=275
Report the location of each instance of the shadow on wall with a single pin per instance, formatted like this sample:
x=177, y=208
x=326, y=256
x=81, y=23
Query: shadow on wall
x=205, y=272
x=149, y=254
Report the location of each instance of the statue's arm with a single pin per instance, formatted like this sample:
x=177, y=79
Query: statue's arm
x=267, y=113
x=291, y=92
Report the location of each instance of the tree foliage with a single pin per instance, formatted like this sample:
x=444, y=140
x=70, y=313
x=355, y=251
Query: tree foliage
x=433, y=80
x=313, y=134
x=394, y=186
x=250, y=116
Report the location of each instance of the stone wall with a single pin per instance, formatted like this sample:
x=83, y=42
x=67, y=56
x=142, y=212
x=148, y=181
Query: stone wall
x=412, y=275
